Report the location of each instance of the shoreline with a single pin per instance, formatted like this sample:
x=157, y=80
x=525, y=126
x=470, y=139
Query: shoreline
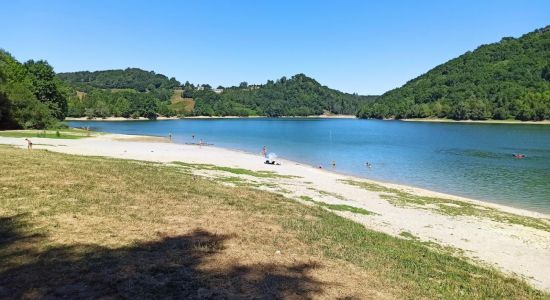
x=514, y=248
x=210, y=117
x=511, y=122
x=402, y=186
x=162, y=139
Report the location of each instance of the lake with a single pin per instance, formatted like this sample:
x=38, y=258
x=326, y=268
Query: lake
x=470, y=160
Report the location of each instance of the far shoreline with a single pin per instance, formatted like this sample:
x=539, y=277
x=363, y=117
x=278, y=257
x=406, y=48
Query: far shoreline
x=424, y=120
x=210, y=117
x=512, y=122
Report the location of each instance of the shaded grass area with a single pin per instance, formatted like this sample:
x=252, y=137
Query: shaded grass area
x=339, y=207
x=237, y=171
x=90, y=227
x=450, y=207
x=51, y=134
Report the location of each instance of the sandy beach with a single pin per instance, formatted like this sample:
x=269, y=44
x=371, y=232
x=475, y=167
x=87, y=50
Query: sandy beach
x=514, y=248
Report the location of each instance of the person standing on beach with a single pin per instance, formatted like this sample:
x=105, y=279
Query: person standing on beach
x=170, y=136
x=264, y=151
x=29, y=144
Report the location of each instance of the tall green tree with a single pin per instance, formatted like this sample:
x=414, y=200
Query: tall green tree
x=46, y=87
x=18, y=104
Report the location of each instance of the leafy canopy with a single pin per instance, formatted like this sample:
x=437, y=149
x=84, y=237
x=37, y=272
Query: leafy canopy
x=30, y=95
x=504, y=80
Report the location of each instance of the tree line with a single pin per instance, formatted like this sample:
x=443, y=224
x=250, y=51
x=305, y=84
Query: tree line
x=30, y=94
x=137, y=93
x=297, y=96
x=505, y=80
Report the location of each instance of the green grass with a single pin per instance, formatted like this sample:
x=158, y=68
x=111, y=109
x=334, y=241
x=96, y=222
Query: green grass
x=408, y=235
x=403, y=261
x=325, y=193
x=237, y=171
x=238, y=181
x=450, y=207
x=339, y=207
x=92, y=227
x=51, y=134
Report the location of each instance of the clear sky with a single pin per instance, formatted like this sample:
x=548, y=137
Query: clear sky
x=366, y=47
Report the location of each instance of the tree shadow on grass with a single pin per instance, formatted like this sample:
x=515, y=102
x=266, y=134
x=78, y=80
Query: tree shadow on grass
x=166, y=268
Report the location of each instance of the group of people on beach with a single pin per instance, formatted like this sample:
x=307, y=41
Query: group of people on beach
x=200, y=143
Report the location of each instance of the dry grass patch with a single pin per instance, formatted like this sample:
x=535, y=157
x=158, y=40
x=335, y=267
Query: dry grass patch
x=181, y=104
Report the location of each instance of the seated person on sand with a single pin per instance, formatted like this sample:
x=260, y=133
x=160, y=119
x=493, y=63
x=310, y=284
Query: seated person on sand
x=267, y=162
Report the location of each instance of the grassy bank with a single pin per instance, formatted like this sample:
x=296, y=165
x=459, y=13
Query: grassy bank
x=91, y=227
x=51, y=134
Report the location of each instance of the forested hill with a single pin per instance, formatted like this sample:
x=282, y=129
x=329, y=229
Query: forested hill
x=130, y=78
x=296, y=96
x=137, y=93
x=505, y=80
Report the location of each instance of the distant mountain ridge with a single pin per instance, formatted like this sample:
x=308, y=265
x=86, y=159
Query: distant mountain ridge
x=504, y=80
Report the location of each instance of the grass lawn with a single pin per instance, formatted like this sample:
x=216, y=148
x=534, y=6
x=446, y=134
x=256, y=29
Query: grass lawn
x=51, y=134
x=90, y=227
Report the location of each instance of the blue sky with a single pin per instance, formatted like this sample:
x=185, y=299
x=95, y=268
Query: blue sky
x=367, y=47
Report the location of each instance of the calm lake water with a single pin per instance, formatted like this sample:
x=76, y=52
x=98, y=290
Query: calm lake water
x=471, y=160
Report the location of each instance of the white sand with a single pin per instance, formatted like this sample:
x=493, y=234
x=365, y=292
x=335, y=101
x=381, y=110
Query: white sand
x=514, y=249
